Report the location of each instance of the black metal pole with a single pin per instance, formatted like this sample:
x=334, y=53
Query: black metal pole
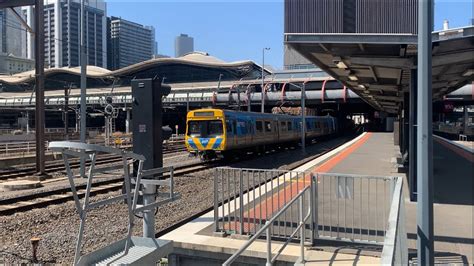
x=39, y=79
x=412, y=136
x=66, y=112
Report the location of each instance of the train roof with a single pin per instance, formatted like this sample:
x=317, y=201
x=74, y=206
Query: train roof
x=253, y=114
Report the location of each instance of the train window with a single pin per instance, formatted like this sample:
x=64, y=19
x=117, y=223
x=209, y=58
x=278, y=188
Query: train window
x=196, y=128
x=283, y=126
x=290, y=126
x=259, y=126
x=205, y=128
x=215, y=128
x=268, y=126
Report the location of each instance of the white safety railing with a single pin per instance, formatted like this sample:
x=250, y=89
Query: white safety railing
x=29, y=147
x=353, y=207
x=141, y=179
x=18, y=148
x=269, y=224
x=395, y=250
x=244, y=199
x=349, y=208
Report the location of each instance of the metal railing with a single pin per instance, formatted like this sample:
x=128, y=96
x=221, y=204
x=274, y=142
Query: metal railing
x=395, y=250
x=353, y=207
x=349, y=208
x=29, y=147
x=269, y=224
x=90, y=152
x=19, y=148
x=244, y=199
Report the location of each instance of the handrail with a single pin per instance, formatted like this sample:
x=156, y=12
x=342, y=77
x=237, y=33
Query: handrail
x=267, y=227
x=395, y=238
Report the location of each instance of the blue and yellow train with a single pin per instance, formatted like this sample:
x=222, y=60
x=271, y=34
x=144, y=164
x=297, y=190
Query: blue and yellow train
x=216, y=133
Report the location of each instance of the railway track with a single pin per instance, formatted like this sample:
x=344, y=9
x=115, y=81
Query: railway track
x=42, y=199
x=58, y=165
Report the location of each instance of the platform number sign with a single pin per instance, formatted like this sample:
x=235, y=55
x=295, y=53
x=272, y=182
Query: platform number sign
x=345, y=187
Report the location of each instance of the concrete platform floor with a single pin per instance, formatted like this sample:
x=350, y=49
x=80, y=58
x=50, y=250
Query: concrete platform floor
x=453, y=210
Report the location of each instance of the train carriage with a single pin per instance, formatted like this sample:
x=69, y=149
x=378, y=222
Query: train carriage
x=213, y=133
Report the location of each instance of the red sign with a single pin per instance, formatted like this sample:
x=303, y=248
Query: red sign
x=448, y=107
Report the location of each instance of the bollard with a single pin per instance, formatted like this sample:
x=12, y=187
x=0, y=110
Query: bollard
x=269, y=245
x=35, y=242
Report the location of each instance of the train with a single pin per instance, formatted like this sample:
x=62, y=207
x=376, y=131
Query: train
x=217, y=133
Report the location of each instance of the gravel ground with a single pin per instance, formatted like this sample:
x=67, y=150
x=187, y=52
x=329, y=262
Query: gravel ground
x=168, y=160
x=57, y=225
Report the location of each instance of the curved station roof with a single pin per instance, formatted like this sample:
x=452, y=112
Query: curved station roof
x=192, y=67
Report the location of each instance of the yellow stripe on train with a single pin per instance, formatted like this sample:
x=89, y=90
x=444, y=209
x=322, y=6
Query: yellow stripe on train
x=209, y=145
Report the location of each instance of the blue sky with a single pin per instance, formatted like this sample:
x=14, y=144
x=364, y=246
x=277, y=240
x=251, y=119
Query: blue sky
x=238, y=30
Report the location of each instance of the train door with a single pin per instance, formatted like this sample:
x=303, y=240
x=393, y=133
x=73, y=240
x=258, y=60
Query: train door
x=241, y=133
x=230, y=132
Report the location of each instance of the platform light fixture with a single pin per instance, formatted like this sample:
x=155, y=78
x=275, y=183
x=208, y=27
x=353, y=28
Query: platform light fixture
x=337, y=60
x=468, y=73
x=352, y=76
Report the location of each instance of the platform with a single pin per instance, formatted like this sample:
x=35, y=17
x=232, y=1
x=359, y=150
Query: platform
x=371, y=154
x=196, y=241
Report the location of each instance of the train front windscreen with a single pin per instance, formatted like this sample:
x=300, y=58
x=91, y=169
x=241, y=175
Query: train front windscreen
x=205, y=129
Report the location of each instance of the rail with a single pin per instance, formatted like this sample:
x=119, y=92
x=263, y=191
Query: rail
x=395, y=251
x=267, y=228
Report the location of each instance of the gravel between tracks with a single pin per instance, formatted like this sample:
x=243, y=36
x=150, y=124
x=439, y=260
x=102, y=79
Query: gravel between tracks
x=57, y=225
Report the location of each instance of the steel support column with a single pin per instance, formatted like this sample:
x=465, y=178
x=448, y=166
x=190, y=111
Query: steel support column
x=149, y=197
x=405, y=126
x=412, y=136
x=424, y=137
x=39, y=81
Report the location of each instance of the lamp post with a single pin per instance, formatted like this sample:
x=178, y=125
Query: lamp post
x=263, y=78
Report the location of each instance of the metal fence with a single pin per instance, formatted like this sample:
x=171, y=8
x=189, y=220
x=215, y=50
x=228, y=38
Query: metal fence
x=245, y=199
x=29, y=147
x=353, y=207
x=346, y=207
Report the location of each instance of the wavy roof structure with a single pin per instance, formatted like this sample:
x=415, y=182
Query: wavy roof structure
x=192, y=67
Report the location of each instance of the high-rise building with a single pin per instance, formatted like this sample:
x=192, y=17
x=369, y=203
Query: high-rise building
x=154, y=43
x=11, y=33
x=183, y=44
x=62, y=32
x=129, y=42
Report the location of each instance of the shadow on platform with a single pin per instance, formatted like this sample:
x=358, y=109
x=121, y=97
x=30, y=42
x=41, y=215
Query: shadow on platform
x=453, y=177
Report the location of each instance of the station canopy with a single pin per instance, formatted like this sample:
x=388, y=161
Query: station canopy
x=378, y=66
x=192, y=67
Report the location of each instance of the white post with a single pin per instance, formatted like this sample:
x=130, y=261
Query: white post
x=127, y=122
x=269, y=244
